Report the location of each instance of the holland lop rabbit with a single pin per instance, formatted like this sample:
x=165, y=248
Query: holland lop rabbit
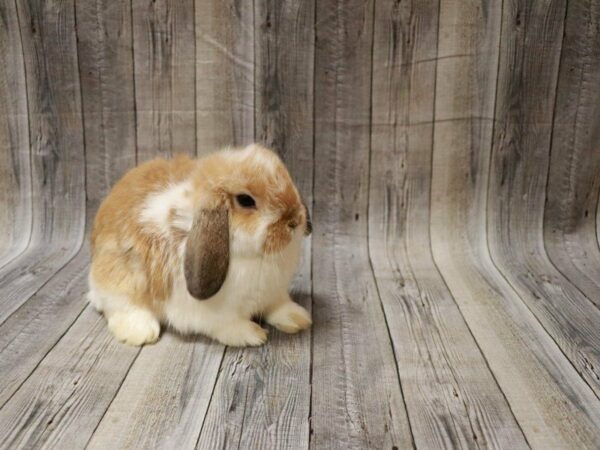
x=202, y=245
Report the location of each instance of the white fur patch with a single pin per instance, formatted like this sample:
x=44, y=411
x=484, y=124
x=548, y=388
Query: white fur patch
x=156, y=210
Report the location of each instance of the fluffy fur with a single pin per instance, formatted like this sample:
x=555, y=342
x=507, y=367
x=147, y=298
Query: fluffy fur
x=140, y=239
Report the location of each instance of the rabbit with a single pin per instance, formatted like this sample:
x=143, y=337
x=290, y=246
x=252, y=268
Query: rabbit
x=201, y=245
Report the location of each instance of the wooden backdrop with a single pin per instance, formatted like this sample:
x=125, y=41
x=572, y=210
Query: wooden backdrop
x=450, y=152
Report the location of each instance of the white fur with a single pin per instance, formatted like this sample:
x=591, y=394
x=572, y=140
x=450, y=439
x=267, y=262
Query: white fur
x=128, y=323
x=255, y=284
x=156, y=209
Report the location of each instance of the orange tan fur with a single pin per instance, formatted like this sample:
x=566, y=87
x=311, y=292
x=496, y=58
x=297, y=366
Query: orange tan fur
x=121, y=247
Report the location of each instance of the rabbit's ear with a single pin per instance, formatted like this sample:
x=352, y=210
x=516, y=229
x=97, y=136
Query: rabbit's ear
x=309, y=226
x=207, y=252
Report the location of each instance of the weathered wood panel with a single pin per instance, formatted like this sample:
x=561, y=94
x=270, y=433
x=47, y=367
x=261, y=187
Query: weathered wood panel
x=356, y=397
x=105, y=53
x=519, y=167
x=15, y=168
x=573, y=182
x=35, y=328
x=164, y=398
x=452, y=398
x=57, y=153
x=452, y=144
x=61, y=403
x=224, y=73
x=164, y=54
x=530, y=368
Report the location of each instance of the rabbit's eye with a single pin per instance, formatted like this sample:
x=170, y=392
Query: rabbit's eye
x=245, y=201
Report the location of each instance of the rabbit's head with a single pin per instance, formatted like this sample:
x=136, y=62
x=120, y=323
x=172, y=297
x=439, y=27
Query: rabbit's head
x=246, y=206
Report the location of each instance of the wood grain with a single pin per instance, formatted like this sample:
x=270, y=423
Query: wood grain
x=35, y=328
x=15, y=168
x=56, y=154
x=519, y=167
x=163, y=44
x=356, y=397
x=446, y=382
x=224, y=73
x=164, y=398
x=528, y=365
x=105, y=54
x=63, y=400
x=573, y=184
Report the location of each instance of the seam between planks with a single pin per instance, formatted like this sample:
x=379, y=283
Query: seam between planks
x=487, y=247
x=62, y=266
x=135, y=108
x=253, y=85
x=81, y=233
x=543, y=248
x=28, y=245
x=487, y=244
x=481, y=352
x=372, y=270
x=535, y=316
x=312, y=207
x=195, y=79
x=113, y=397
x=84, y=149
x=562, y=351
x=212, y=393
x=597, y=223
x=33, y=369
x=551, y=145
x=435, y=264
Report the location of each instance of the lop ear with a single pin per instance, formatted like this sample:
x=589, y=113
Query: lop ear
x=309, y=226
x=207, y=252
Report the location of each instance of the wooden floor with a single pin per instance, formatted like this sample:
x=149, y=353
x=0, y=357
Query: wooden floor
x=449, y=151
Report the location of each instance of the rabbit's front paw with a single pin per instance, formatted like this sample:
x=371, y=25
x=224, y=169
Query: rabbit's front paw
x=134, y=327
x=290, y=318
x=242, y=334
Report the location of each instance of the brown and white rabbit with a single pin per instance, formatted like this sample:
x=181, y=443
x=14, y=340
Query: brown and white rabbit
x=201, y=245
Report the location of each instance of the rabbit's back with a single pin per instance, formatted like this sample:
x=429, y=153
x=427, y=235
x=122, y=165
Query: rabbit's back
x=131, y=253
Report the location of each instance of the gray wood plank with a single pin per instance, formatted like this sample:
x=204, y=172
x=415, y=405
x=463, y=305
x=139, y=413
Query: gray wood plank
x=262, y=398
x=553, y=405
x=356, y=398
x=551, y=402
x=573, y=183
x=164, y=398
x=518, y=174
x=33, y=330
x=105, y=54
x=451, y=396
x=15, y=168
x=284, y=65
x=57, y=161
x=163, y=42
x=61, y=403
x=224, y=73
